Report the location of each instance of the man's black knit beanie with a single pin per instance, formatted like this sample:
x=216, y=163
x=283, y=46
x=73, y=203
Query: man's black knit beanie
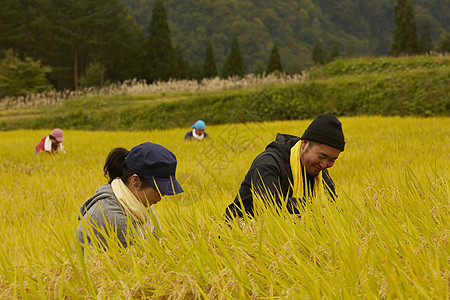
x=326, y=129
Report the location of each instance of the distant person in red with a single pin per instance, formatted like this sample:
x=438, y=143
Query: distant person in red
x=51, y=143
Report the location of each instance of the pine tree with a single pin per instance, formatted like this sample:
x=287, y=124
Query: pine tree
x=195, y=70
x=72, y=28
x=92, y=76
x=209, y=66
x=160, y=57
x=274, y=63
x=443, y=45
x=405, y=34
x=335, y=53
x=115, y=37
x=233, y=66
x=260, y=68
x=12, y=27
x=180, y=68
x=127, y=61
x=349, y=51
x=318, y=53
x=85, y=32
x=426, y=43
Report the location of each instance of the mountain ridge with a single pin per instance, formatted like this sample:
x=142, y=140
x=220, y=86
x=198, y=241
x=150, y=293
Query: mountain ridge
x=364, y=25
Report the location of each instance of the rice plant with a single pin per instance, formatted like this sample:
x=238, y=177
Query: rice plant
x=386, y=236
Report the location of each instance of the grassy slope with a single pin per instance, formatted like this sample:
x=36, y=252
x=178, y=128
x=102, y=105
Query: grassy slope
x=416, y=86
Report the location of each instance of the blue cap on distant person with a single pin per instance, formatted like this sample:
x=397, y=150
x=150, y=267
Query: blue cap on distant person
x=199, y=125
x=157, y=165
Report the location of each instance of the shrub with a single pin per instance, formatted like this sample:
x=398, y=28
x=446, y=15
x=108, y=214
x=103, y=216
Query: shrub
x=19, y=77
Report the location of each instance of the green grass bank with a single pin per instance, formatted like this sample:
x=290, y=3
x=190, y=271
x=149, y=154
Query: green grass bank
x=409, y=86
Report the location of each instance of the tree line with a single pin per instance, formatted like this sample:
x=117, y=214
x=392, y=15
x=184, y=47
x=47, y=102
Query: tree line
x=405, y=41
x=362, y=26
x=70, y=36
x=80, y=43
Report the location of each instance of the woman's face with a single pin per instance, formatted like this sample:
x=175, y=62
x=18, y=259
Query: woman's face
x=148, y=196
x=144, y=192
x=55, y=143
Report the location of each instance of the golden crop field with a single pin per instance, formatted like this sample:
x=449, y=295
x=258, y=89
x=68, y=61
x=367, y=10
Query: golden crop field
x=387, y=236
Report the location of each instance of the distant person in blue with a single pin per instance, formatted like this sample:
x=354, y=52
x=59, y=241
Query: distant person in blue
x=198, y=132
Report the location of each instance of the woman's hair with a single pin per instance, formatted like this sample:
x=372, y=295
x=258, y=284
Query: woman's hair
x=115, y=167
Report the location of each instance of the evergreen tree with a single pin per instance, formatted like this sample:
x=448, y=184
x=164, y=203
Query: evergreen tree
x=92, y=76
x=180, y=69
x=160, y=56
x=12, y=26
x=87, y=31
x=209, y=66
x=274, y=63
x=326, y=57
x=335, y=53
x=426, y=43
x=233, y=66
x=127, y=61
x=349, y=51
x=195, y=70
x=260, y=68
x=405, y=33
x=116, y=40
x=73, y=38
x=443, y=45
x=318, y=53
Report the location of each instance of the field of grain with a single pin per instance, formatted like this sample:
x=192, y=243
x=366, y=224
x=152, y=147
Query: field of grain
x=387, y=236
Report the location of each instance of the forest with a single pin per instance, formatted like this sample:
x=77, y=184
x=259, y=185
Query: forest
x=364, y=25
x=70, y=44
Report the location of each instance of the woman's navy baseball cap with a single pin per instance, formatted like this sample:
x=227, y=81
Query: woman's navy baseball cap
x=157, y=165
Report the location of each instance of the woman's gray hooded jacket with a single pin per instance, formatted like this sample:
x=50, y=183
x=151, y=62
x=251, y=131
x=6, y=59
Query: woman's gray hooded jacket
x=104, y=212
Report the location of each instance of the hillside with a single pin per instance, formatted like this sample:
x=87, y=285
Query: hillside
x=365, y=25
x=88, y=43
x=410, y=86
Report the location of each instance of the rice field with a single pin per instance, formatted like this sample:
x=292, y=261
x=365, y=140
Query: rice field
x=386, y=237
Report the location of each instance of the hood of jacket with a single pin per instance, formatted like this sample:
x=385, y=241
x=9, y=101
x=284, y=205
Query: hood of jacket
x=104, y=192
x=282, y=145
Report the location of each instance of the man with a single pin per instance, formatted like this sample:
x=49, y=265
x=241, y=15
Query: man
x=292, y=169
x=51, y=143
x=198, y=132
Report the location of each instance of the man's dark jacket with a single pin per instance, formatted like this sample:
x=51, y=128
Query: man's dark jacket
x=271, y=176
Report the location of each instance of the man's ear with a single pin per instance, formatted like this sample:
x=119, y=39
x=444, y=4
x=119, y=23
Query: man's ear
x=304, y=144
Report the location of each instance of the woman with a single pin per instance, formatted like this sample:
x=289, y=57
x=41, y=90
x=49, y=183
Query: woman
x=137, y=180
x=51, y=143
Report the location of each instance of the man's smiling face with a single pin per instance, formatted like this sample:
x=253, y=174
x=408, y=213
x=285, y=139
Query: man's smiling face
x=316, y=157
